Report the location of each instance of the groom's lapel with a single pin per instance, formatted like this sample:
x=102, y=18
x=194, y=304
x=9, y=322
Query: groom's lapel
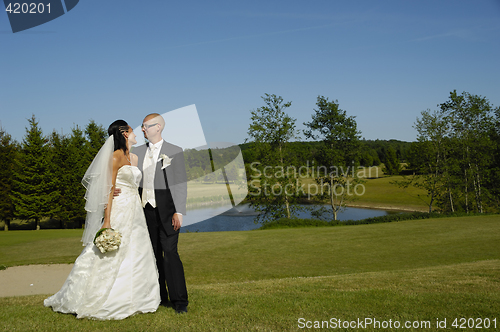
x=159, y=162
x=169, y=150
x=159, y=175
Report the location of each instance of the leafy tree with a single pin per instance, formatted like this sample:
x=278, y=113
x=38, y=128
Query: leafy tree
x=35, y=194
x=392, y=164
x=493, y=182
x=271, y=129
x=428, y=157
x=378, y=149
x=454, y=158
x=339, y=152
x=367, y=159
x=8, y=153
x=210, y=178
x=198, y=163
x=470, y=117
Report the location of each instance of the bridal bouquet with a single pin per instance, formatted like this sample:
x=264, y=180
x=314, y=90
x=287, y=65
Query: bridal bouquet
x=107, y=239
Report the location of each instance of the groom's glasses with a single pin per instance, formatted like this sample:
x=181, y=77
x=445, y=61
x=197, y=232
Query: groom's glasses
x=148, y=126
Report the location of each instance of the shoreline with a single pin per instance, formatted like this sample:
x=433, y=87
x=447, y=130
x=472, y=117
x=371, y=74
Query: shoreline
x=375, y=206
x=390, y=208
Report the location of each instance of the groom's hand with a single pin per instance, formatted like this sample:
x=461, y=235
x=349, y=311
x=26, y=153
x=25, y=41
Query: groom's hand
x=116, y=192
x=177, y=221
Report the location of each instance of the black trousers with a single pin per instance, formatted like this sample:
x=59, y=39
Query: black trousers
x=168, y=261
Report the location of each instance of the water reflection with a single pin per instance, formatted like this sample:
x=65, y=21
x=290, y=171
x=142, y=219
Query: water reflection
x=241, y=218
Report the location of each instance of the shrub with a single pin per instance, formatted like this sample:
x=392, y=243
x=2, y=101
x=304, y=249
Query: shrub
x=292, y=222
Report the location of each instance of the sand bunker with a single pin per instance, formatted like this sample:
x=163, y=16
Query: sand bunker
x=33, y=279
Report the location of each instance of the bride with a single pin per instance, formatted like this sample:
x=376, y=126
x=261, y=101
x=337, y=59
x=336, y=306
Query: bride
x=116, y=284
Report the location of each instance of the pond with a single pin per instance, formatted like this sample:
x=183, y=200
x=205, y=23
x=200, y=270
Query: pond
x=242, y=218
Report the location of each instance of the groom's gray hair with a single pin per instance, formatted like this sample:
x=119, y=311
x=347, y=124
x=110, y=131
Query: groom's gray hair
x=158, y=118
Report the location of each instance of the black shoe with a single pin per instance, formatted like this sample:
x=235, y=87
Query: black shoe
x=181, y=309
x=167, y=304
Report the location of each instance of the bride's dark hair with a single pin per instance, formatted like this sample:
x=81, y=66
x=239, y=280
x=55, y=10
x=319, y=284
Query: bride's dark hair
x=117, y=129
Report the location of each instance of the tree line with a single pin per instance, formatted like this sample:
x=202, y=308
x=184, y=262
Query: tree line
x=371, y=152
x=40, y=177
x=456, y=157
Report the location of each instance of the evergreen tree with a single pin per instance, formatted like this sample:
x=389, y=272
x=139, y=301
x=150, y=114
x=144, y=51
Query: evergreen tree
x=69, y=167
x=60, y=161
x=35, y=194
x=96, y=136
x=77, y=146
x=8, y=154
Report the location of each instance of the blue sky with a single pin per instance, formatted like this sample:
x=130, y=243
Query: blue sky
x=384, y=61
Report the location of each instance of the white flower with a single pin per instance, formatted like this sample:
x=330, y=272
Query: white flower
x=108, y=240
x=166, y=161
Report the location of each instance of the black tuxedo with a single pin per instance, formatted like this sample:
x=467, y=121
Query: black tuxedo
x=170, y=190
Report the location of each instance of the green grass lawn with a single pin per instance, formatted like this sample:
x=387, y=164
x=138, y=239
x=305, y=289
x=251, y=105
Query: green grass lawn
x=380, y=193
x=266, y=280
x=40, y=247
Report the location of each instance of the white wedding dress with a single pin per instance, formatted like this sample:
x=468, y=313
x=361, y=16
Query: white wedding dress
x=116, y=284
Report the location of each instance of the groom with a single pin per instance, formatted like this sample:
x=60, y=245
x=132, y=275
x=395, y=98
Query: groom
x=163, y=191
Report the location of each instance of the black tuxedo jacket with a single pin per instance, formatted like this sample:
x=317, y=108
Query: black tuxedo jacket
x=170, y=183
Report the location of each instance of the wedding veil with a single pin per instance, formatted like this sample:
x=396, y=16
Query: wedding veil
x=98, y=182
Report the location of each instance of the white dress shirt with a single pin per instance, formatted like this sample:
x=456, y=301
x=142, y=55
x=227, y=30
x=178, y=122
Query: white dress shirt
x=149, y=168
